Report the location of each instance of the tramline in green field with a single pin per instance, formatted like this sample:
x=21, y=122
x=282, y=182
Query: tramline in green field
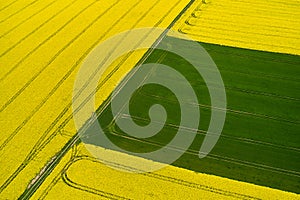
x=259, y=142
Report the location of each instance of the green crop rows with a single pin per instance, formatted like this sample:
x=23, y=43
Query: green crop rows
x=260, y=141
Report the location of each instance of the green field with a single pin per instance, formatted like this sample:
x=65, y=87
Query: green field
x=260, y=141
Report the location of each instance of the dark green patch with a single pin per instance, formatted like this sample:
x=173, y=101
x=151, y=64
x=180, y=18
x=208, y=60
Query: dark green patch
x=260, y=142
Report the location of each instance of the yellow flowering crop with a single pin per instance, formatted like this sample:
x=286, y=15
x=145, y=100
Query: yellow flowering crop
x=261, y=25
x=81, y=176
x=43, y=44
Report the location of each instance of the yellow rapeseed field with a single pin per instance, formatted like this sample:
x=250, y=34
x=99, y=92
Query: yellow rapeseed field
x=261, y=25
x=81, y=176
x=43, y=44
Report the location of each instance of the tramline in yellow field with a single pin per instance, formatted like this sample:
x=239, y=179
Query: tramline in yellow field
x=43, y=46
x=261, y=25
x=42, y=61
x=82, y=176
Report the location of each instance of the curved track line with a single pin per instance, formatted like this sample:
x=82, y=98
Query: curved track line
x=75, y=138
x=235, y=40
x=215, y=156
x=157, y=176
x=35, y=150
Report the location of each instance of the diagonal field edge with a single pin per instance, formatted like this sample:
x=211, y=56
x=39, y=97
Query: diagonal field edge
x=29, y=191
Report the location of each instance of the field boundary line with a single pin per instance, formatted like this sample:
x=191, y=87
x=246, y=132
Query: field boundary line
x=161, y=177
x=214, y=156
x=28, y=192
